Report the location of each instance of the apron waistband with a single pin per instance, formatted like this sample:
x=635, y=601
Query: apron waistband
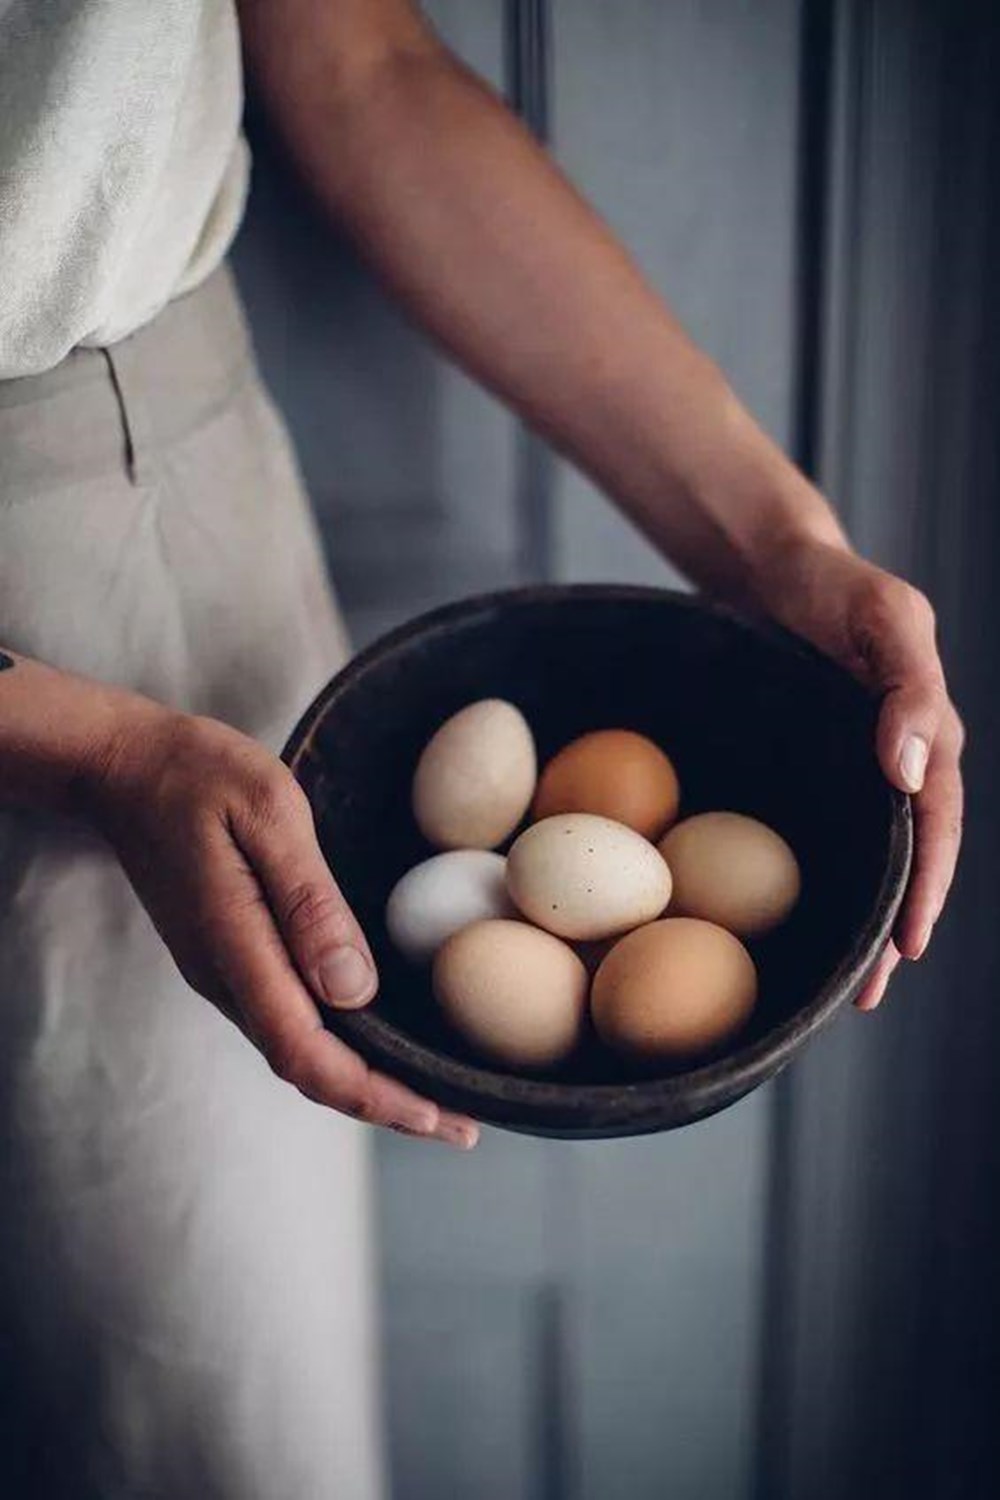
x=127, y=402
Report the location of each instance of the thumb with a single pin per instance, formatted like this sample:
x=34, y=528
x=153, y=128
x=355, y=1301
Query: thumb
x=909, y=721
x=320, y=931
x=897, y=645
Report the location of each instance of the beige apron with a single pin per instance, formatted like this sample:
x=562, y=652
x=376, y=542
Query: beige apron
x=186, y=1279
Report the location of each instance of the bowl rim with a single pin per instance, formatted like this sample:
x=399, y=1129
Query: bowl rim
x=550, y=1106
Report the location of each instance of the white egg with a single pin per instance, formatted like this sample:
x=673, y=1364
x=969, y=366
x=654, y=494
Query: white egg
x=441, y=896
x=476, y=777
x=586, y=877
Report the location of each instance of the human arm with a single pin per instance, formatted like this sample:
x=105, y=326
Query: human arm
x=218, y=841
x=491, y=249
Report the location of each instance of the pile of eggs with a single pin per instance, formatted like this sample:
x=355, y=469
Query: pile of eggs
x=606, y=912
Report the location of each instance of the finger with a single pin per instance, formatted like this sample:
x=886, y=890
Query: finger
x=873, y=992
x=320, y=930
x=250, y=958
x=938, y=836
x=910, y=721
x=894, y=635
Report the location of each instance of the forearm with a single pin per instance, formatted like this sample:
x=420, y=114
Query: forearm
x=57, y=732
x=497, y=256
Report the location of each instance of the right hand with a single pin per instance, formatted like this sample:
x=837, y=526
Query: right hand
x=218, y=840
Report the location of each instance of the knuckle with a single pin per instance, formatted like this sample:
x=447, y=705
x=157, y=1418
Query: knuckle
x=271, y=794
x=956, y=731
x=884, y=597
x=356, y=1101
x=309, y=910
x=283, y=1052
x=921, y=609
x=932, y=689
x=889, y=601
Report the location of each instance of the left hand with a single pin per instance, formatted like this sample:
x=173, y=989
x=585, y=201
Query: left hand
x=883, y=631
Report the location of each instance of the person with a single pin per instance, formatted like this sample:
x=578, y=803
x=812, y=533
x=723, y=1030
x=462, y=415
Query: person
x=186, y=1300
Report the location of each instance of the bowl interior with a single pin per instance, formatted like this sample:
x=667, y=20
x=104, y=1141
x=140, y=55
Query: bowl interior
x=752, y=722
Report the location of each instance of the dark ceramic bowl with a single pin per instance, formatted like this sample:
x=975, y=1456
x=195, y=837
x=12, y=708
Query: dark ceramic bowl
x=752, y=720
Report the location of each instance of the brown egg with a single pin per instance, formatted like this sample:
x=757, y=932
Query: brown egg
x=615, y=773
x=673, y=989
x=732, y=870
x=517, y=994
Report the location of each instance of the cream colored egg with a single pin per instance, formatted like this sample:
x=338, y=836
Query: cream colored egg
x=732, y=870
x=441, y=896
x=476, y=777
x=517, y=995
x=586, y=877
x=673, y=989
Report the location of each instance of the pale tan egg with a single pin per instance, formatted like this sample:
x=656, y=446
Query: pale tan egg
x=585, y=877
x=673, y=989
x=516, y=994
x=476, y=777
x=615, y=773
x=732, y=870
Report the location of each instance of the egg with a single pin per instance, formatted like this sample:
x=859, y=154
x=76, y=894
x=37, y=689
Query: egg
x=732, y=870
x=517, y=995
x=476, y=776
x=673, y=989
x=615, y=773
x=442, y=895
x=585, y=877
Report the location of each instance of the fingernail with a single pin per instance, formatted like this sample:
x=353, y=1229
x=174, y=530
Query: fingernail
x=922, y=942
x=872, y=1001
x=913, y=761
x=462, y=1136
x=346, y=977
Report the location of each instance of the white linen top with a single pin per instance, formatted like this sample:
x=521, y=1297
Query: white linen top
x=123, y=170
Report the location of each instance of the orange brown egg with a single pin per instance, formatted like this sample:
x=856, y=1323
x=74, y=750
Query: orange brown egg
x=616, y=774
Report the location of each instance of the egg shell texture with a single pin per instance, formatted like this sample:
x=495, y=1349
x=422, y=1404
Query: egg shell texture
x=476, y=777
x=517, y=995
x=616, y=774
x=732, y=870
x=675, y=988
x=441, y=896
x=585, y=877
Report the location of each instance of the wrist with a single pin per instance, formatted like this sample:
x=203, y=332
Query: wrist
x=773, y=517
x=60, y=733
x=128, y=730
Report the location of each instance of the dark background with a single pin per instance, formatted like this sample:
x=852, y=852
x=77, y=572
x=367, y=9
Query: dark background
x=796, y=1300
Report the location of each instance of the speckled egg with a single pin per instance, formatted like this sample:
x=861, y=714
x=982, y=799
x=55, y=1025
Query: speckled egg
x=585, y=877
